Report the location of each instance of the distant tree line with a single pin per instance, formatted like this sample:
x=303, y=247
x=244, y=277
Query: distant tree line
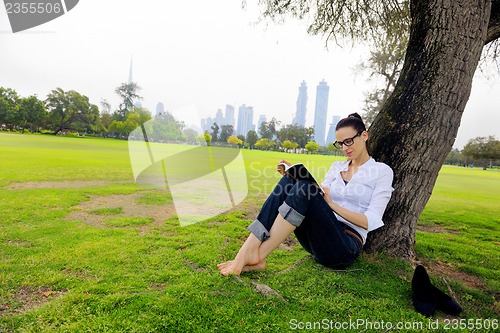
x=480, y=151
x=70, y=112
x=60, y=112
x=290, y=137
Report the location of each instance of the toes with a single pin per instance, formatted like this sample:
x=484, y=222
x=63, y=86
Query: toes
x=230, y=270
x=226, y=271
x=224, y=264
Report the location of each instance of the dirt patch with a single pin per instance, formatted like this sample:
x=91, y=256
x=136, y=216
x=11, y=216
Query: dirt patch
x=436, y=229
x=58, y=184
x=28, y=298
x=194, y=266
x=288, y=244
x=216, y=223
x=250, y=207
x=448, y=271
x=158, y=286
x=79, y=274
x=88, y=211
x=19, y=243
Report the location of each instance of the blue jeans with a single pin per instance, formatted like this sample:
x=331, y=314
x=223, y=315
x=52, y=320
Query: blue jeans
x=318, y=230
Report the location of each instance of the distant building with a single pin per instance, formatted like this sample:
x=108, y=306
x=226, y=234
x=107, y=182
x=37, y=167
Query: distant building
x=245, y=120
x=262, y=119
x=130, y=77
x=137, y=104
x=229, y=115
x=219, y=118
x=206, y=124
x=300, y=115
x=331, y=132
x=320, y=111
x=160, y=109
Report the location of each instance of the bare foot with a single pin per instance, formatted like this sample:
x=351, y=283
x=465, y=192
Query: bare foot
x=248, y=268
x=224, y=264
x=245, y=258
x=259, y=267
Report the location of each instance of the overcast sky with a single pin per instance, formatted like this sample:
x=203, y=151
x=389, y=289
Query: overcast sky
x=197, y=56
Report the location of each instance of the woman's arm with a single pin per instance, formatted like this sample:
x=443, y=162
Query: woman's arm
x=358, y=219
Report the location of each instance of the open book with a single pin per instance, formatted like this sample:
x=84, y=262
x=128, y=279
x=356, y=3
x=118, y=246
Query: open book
x=299, y=172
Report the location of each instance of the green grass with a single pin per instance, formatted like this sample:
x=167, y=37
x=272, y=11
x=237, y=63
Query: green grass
x=118, y=278
x=106, y=211
x=466, y=203
x=155, y=198
x=128, y=221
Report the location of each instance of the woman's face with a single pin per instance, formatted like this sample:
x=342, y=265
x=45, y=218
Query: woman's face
x=358, y=146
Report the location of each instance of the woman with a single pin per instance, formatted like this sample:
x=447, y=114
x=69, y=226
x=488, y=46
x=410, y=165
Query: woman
x=332, y=227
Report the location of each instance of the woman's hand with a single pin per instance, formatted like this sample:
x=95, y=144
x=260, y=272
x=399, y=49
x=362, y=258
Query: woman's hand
x=327, y=196
x=356, y=218
x=280, y=168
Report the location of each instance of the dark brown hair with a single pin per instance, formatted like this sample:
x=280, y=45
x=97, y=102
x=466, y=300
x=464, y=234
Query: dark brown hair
x=353, y=120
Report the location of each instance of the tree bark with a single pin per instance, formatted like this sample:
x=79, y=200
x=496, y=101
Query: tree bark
x=416, y=128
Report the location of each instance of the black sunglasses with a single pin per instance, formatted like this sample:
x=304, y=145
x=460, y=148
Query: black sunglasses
x=347, y=142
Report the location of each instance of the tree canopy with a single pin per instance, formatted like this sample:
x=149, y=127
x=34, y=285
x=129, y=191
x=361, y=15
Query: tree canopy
x=483, y=149
x=70, y=109
x=128, y=93
x=296, y=133
x=9, y=100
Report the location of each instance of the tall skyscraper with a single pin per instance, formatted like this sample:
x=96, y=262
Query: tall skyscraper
x=130, y=81
x=207, y=123
x=229, y=115
x=300, y=115
x=331, y=132
x=240, y=128
x=219, y=118
x=320, y=111
x=250, y=124
x=245, y=120
x=130, y=78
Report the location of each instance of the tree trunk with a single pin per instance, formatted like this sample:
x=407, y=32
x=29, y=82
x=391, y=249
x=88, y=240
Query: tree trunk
x=416, y=128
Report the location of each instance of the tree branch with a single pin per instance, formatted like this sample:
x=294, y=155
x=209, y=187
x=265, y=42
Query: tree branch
x=494, y=24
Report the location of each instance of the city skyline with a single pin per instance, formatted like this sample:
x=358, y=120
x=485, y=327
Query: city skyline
x=320, y=114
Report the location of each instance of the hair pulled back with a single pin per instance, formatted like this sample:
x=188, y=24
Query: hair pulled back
x=353, y=120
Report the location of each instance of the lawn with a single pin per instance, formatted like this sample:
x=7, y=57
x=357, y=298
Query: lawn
x=85, y=249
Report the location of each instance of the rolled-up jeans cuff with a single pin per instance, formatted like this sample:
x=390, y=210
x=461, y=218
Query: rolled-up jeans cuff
x=290, y=214
x=258, y=229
